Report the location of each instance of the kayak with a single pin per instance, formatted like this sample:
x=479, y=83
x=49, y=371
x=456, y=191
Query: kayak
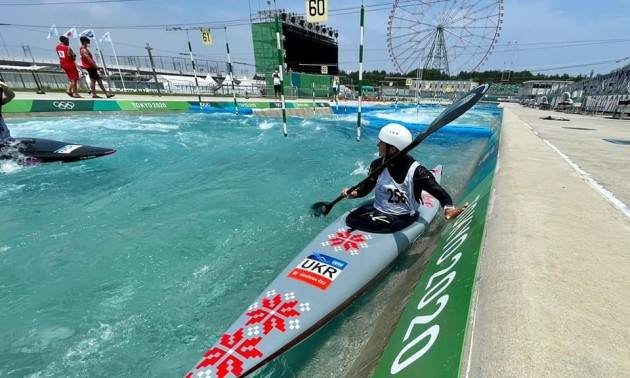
x=334, y=269
x=35, y=151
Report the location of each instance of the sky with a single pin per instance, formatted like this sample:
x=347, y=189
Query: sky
x=560, y=36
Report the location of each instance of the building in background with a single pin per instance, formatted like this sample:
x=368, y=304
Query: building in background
x=537, y=88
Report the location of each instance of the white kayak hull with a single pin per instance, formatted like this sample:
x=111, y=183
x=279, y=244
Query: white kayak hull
x=328, y=275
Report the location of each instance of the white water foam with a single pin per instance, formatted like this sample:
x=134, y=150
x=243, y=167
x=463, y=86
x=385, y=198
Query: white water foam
x=204, y=269
x=10, y=188
x=9, y=167
x=362, y=168
x=152, y=127
x=97, y=342
x=266, y=125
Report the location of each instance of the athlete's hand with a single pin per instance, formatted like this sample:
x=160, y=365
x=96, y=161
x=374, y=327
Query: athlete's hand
x=454, y=212
x=347, y=194
x=3, y=85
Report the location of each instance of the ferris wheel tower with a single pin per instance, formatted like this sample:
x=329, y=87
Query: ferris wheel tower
x=446, y=35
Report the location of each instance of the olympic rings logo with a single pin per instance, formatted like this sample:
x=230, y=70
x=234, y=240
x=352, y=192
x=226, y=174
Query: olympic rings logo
x=63, y=105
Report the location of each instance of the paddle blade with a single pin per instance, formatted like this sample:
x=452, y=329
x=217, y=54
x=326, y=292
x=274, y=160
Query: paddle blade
x=320, y=208
x=459, y=107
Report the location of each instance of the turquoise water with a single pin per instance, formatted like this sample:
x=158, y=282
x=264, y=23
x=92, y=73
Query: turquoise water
x=134, y=264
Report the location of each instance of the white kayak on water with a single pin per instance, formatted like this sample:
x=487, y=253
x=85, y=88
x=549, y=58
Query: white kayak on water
x=334, y=269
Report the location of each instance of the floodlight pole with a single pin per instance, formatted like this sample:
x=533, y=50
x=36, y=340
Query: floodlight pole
x=157, y=85
x=231, y=70
x=192, y=58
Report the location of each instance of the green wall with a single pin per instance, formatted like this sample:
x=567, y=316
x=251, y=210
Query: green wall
x=430, y=337
x=265, y=47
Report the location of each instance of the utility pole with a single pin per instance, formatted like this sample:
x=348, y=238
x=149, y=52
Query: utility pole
x=157, y=85
x=5, y=46
x=231, y=70
x=26, y=48
x=192, y=58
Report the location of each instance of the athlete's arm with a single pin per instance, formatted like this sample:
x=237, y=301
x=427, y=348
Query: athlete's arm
x=7, y=93
x=369, y=184
x=424, y=180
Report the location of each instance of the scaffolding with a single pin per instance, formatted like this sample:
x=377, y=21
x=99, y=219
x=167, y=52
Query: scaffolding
x=183, y=65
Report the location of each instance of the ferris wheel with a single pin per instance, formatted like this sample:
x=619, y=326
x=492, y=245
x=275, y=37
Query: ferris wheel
x=446, y=35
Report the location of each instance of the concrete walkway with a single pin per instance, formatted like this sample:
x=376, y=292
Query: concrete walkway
x=552, y=297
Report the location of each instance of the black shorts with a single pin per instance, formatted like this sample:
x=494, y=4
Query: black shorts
x=93, y=73
x=276, y=89
x=367, y=218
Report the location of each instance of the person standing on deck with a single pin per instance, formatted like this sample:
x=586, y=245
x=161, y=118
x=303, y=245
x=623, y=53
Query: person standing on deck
x=67, y=61
x=277, y=84
x=87, y=61
x=335, y=90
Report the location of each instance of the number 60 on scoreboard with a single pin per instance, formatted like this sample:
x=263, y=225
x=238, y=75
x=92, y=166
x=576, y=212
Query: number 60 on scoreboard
x=316, y=10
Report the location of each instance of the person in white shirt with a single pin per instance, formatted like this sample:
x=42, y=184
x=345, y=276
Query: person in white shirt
x=277, y=85
x=335, y=90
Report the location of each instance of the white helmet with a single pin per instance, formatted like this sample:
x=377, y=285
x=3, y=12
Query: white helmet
x=395, y=135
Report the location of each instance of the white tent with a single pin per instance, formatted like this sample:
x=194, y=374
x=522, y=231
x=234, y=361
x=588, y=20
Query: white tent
x=186, y=84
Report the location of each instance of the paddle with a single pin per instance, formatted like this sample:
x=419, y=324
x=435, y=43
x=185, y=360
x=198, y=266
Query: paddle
x=449, y=114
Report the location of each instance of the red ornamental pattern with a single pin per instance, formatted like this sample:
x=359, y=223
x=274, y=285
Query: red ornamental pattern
x=234, y=344
x=268, y=315
x=227, y=358
x=347, y=241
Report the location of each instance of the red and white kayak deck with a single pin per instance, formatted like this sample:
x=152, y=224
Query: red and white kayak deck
x=332, y=271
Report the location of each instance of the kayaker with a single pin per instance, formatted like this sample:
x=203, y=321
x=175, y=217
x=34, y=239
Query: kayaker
x=6, y=95
x=399, y=187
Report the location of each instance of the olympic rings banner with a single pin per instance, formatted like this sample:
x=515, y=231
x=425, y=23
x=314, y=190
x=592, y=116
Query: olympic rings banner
x=69, y=105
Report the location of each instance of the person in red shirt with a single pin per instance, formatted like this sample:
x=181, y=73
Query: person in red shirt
x=66, y=59
x=87, y=61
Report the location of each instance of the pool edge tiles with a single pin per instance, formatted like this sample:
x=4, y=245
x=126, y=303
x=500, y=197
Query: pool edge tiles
x=430, y=337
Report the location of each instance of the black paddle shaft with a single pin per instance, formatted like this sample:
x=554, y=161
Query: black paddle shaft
x=449, y=114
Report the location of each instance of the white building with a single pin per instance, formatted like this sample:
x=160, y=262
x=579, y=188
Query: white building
x=537, y=88
x=447, y=86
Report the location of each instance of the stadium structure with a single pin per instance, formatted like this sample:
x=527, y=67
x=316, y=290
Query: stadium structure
x=606, y=93
x=310, y=52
